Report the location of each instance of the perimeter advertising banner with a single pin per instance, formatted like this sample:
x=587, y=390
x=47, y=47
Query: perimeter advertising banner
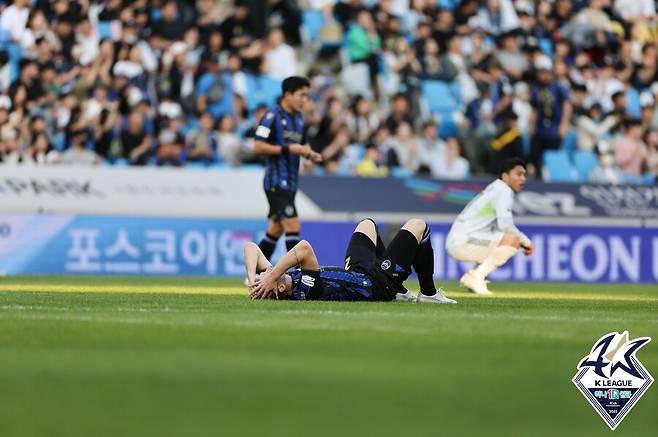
x=73, y=244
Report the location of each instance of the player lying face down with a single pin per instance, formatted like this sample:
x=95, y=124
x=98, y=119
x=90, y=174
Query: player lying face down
x=372, y=272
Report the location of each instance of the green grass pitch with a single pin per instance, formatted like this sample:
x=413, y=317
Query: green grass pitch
x=90, y=356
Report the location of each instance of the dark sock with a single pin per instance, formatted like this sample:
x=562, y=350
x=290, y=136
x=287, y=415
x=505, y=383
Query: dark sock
x=292, y=238
x=424, y=264
x=267, y=245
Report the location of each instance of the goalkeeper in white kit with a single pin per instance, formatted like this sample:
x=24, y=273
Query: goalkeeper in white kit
x=485, y=233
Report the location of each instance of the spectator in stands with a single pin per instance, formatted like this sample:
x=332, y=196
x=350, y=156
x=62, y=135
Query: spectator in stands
x=280, y=59
x=498, y=16
x=169, y=149
x=229, y=142
x=630, y=150
x=551, y=115
x=14, y=19
x=400, y=112
x=11, y=153
x=202, y=142
x=361, y=120
x=373, y=163
x=215, y=90
x=402, y=148
x=594, y=127
x=134, y=140
x=78, y=154
x=651, y=139
x=431, y=149
x=507, y=143
x=364, y=45
x=40, y=152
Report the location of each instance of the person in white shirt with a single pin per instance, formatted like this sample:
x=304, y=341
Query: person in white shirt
x=280, y=59
x=14, y=19
x=485, y=233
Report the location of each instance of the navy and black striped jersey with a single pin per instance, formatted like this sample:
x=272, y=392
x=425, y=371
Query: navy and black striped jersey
x=281, y=128
x=330, y=283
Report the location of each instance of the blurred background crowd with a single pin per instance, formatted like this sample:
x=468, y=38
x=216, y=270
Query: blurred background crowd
x=443, y=88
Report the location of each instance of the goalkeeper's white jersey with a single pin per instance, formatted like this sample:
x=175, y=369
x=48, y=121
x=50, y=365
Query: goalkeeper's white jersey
x=490, y=211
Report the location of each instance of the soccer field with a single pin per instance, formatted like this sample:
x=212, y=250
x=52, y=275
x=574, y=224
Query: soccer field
x=188, y=356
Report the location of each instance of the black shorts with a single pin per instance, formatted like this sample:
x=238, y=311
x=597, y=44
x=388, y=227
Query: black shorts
x=282, y=204
x=389, y=270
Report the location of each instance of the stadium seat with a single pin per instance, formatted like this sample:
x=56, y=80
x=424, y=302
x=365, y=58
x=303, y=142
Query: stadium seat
x=585, y=162
x=557, y=167
x=648, y=179
x=312, y=23
x=570, y=142
x=401, y=172
x=261, y=90
x=633, y=107
x=450, y=5
x=104, y=29
x=441, y=97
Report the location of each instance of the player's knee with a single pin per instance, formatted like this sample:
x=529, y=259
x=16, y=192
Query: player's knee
x=366, y=226
x=415, y=225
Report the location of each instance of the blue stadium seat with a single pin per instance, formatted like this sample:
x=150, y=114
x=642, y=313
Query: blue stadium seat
x=585, y=162
x=570, y=142
x=441, y=97
x=312, y=23
x=633, y=107
x=262, y=89
x=648, y=179
x=104, y=29
x=401, y=172
x=557, y=167
x=451, y=5
x=546, y=46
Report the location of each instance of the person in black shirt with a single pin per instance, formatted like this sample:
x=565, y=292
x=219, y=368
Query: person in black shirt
x=135, y=142
x=372, y=271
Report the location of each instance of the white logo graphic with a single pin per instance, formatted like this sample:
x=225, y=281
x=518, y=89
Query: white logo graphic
x=307, y=280
x=386, y=264
x=612, y=378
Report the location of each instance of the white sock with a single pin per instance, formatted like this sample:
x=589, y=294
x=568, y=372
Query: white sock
x=498, y=256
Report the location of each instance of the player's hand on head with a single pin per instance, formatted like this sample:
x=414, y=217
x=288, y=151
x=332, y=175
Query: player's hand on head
x=265, y=285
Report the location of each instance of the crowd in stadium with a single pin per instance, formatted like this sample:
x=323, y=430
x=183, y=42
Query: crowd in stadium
x=447, y=88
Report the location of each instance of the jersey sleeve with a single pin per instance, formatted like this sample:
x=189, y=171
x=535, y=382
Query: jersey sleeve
x=266, y=129
x=303, y=282
x=505, y=219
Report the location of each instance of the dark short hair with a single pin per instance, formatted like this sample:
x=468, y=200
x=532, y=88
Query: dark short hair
x=509, y=164
x=293, y=84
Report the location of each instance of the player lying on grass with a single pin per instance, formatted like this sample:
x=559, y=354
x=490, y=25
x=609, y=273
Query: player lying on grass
x=372, y=271
x=485, y=232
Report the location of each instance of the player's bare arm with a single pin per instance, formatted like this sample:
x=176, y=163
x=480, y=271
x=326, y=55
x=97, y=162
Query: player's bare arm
x=254, y=262
x=301, y=255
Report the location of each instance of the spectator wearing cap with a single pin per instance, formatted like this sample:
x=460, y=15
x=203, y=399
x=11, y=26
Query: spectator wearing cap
x=169, y=149
x=630, y=151
x=551, y=113
x=78, y=154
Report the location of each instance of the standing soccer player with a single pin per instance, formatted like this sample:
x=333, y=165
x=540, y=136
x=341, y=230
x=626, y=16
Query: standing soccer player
x=280, y=138
x=485, y=232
